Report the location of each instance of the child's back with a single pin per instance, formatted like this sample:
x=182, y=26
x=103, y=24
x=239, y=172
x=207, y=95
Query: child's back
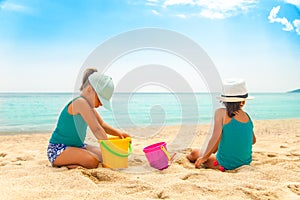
x=235, y=148
x=233, y=134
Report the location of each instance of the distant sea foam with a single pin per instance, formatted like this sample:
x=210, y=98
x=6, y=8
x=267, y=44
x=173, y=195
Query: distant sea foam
x=38, y=112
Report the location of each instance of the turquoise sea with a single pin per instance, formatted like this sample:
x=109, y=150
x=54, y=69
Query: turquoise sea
x=38, y=112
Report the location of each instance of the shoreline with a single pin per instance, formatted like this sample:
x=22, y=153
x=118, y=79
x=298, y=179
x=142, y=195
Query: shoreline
x=141, y=127
x=25, y=172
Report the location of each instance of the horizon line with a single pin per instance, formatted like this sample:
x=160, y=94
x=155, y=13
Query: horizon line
x=140, y=92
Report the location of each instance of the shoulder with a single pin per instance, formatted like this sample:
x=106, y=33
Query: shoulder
x=79, y=102
x=78, y=105
x=220, y=114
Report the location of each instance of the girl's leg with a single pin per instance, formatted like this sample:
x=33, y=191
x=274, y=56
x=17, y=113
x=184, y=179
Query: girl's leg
x=95, y=150
x=73, y=157
x=210, y=162
x=194, y=155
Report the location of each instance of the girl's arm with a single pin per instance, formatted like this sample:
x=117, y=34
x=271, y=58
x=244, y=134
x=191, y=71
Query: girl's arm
x=109, y=129
x=214, y=141
x=81, y=106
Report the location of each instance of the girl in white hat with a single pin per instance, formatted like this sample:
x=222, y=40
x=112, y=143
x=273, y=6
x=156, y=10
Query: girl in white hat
x=230, y=145
x=66, y=146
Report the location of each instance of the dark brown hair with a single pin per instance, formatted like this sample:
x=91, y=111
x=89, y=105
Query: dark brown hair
x=232, y=108
x=85, y=80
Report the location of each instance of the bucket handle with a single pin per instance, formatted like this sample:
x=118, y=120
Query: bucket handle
x=170, y=158
x=166, y=152
x=116, y=153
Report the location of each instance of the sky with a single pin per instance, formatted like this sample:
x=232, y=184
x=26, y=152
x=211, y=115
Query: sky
x=43, y=44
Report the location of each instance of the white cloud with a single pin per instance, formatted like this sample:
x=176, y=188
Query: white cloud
x=287, y=24
x=228, y=5
x=155, y=12
x=212, y=14
x=152, y=2
x=13, y=7
x=273, y=14
x=273, y=18
x=212, y=9
x=178, y=2
x=296, y=23
x=221, y=9
x=183, y=16
x=294, y=2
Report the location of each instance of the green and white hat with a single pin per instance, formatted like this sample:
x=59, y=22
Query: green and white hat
x=104, y=87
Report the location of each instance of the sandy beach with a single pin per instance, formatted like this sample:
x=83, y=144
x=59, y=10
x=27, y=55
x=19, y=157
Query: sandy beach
x=25, y=172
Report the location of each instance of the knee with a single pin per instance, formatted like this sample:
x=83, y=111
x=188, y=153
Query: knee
x=194, y=155
x=92, y=162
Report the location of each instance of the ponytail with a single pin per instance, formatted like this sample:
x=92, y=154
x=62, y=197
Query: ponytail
x=86, y=75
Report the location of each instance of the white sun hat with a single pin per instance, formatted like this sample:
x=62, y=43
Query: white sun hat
x=234, y=90
x=104, y=87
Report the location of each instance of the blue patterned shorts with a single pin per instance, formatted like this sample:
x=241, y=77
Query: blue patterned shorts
x=55, y=150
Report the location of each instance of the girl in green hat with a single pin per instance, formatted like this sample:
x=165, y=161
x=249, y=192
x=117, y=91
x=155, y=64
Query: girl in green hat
x=66, y=146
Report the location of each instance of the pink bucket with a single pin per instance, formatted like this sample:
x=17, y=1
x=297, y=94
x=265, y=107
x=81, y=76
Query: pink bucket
x=157, y=155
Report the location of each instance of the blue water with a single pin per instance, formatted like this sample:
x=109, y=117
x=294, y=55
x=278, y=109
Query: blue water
x=38, y=112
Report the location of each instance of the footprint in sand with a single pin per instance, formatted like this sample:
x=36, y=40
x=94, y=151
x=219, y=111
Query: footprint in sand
x=161, y=195
x=133, y=187
x=261, y=158
x=98, y=175
x=295, y=189
x=3, y=155
x=3, y=164
x=183, y=161
x=189, y=175
x=270, y=155
x=295, y=154
x=23, y=158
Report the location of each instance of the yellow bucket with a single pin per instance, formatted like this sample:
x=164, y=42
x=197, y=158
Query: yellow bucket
x=115, y=152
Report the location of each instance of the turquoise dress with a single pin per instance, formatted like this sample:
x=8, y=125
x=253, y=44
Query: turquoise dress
x=70, y=129
x=235, y=148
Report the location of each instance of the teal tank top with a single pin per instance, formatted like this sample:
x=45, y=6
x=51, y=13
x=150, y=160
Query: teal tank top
x=235, y=148
x=70, y=129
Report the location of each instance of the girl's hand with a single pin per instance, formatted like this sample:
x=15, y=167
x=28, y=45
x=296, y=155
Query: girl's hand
x=124, y=134
x=199, y=162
